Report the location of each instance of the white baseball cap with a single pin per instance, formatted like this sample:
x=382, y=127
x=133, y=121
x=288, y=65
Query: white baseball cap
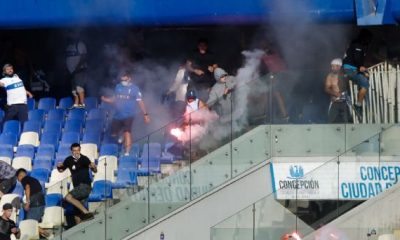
x=337, y=61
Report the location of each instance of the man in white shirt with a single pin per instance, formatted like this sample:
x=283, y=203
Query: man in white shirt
x=17, y=107
x=77, y=66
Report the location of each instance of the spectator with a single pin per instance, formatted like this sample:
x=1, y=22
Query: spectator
x=17, y=107
x=276, y=75
x=354, y=67
x=34, y=203
x=79, y=166
x=335, y=87
x=201, y=67
x=179, y=88
x=220, y=97
x=7, y=178
x=8, y=226
x=76, y=61
x=193, y=104
x=127, y=95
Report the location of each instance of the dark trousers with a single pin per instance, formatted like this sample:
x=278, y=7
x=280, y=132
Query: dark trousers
x=339, y=112
x=17, y=112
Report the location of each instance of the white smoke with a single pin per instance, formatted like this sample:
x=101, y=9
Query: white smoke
x=245, y=77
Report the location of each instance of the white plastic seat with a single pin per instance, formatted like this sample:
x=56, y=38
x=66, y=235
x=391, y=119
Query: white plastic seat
x=396, y=234
x=5, y=159
x=112, y=161
x=105, y=172
x=29, y=138
x=57, y=187
x=29, y=229
x=89, y=150
x=387, y=237
x=57, y=176
x=53, y=216
x=22, y=162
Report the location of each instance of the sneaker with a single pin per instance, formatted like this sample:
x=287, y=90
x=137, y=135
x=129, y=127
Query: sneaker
x=358, y=111
x=126, y=154
x=81, y=106
x=87, y=216
x=74, y=106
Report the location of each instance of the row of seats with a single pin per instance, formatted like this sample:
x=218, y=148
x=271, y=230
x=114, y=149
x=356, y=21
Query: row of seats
x=65, y=103
x=51, y=152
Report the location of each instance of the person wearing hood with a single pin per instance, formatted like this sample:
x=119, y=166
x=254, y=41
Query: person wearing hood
x=220, y=98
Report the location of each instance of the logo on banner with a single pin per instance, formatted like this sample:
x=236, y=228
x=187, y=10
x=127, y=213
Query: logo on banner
x=296, y=172
x=296, y=180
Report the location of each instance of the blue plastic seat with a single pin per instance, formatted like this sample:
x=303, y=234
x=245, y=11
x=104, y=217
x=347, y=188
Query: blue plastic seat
x=56, y=114
x=12, y=126
x=36, y=115
x=65, y=103
x=31, y=103
x=128, y=162
x=19, y=190
x=42, y=164
x=102, y=190
x=108, y=139
x=109, y=149
x=135, y=150
x=94, y=125
x=50, y=138
x=150, y=166
x=52, y=126
x=47, y=104
x=73, y=125
x=45, y=152
x=69, y=138
x=92, y=137
x=125, y=178
x=32, y=126
x=97, y=113
x=151, y=150
x=25, y=151
x=8, y=139
x=41, y=174
x=77, y=114
x=62, y=154
x=168, y=157
x=90, y=103
x=6, y=151
x=53, y=199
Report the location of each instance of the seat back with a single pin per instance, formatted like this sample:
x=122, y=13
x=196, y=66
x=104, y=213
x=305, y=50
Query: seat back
x=47, y=104
x=32, y=126
x=29, y=138
x=90, y=103
x=53, y=216
x=29, y=229
x=36, y=115
x=12, y=126
x=65, y=103
x=73, y=125
x=109, y=149
x=56, y=114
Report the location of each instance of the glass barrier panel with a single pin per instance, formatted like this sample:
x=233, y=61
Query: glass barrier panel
x=308, y=140
x=238, y=226
x=169, y=178
x=252, y=148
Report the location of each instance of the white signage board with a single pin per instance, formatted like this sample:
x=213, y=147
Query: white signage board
x=348, y=180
